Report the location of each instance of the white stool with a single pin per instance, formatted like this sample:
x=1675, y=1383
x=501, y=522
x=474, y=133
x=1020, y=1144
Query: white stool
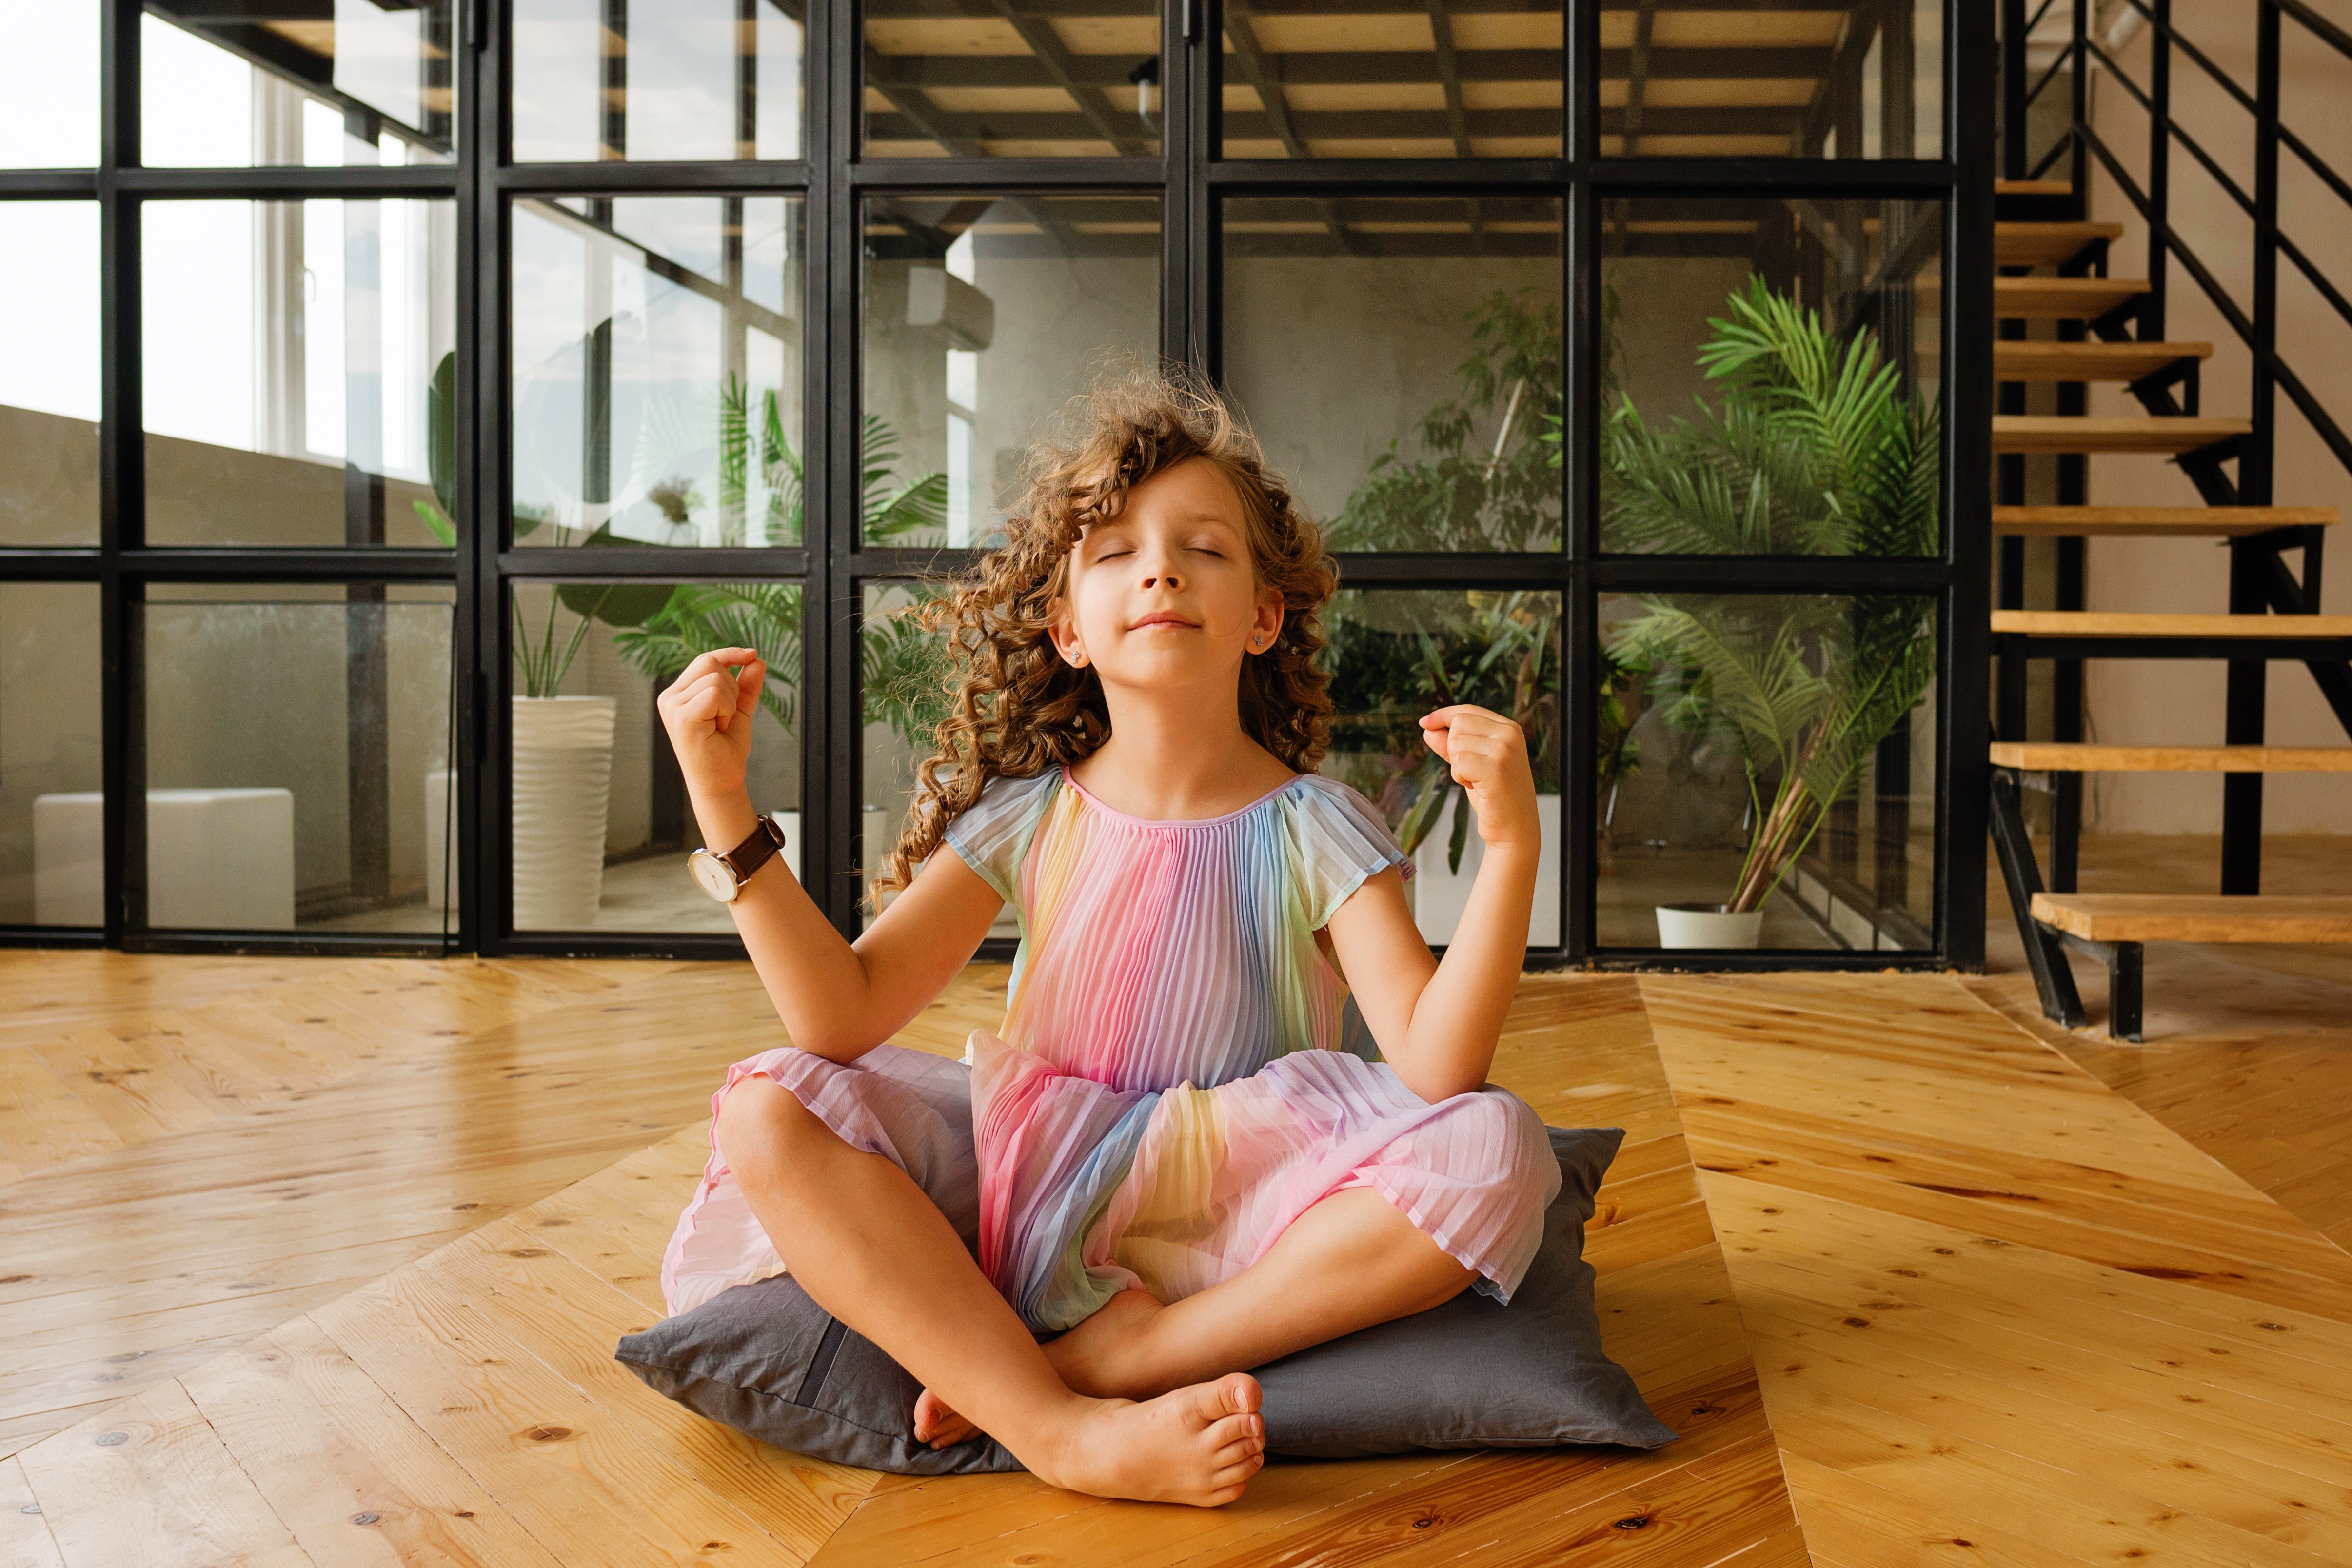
x=217, y=860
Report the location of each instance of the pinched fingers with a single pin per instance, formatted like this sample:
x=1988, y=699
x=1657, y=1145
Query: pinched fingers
x=1476, y=743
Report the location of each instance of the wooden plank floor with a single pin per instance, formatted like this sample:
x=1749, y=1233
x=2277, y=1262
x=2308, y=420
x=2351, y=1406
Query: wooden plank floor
x=465, y=1407
x=2002, y=1314
x=2248, y=1052
x=201, y=1149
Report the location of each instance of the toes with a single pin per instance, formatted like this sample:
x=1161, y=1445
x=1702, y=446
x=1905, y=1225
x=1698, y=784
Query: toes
x=1238, y=1453
x=1233, y=1477
x=1249, y=1429
x=1240, y=1393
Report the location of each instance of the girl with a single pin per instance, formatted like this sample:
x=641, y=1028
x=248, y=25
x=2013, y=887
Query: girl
x=1183, y=1158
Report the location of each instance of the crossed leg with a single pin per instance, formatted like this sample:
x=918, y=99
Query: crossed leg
x=872, y=1250
x=1348, y=1262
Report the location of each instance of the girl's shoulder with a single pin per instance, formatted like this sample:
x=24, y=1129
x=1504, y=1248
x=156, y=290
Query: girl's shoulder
x=1339, y=838
x=994, y=831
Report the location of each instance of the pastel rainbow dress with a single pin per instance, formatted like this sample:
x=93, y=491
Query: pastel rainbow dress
x=1181, y=1075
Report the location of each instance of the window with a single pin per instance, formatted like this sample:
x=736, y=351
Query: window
x=463, y=445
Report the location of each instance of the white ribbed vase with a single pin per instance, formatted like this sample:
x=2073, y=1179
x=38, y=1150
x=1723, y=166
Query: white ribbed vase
x=1708, y=925
x=563, y=783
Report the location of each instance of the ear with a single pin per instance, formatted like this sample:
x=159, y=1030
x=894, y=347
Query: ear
x=1266, y=625
x=1063, y=628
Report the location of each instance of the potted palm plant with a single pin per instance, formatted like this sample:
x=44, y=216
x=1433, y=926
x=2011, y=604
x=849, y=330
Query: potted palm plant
x=1810, y=449
x=560, y=746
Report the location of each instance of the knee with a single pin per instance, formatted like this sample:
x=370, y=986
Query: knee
x=1509, y=1133
x=760, y=1125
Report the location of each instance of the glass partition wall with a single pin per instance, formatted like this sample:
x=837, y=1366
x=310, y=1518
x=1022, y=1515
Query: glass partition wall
x=392, y=401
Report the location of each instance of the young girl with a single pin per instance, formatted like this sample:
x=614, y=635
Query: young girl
x=1184, y=1159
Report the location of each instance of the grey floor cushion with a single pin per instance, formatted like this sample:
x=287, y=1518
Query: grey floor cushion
x=766, y=1359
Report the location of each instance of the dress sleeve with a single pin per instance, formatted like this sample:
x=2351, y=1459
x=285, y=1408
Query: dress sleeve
x=1338, y=840
x=993, y=832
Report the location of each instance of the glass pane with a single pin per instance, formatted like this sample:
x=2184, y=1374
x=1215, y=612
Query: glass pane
x=1718, y=434
x=601, y=827
x=49, y=372
x=1769, y=760
x=331, y=81
x=984, y=315
x=902, y=667
x=1397, y=653
x=52, y=832
x=1400, y=357
x=1307, y=80
x=657, y=371
x=700, y=79
x=342, y=821
x=1852, y=80
x=48, y=84
x=298, y=365
x=1079, y=80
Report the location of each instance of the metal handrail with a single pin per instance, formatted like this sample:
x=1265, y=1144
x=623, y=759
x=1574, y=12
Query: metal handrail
x=2329, y=33
x=2237, y=193
x=2231, y=314
x=2256, y=328
x=2172, y=36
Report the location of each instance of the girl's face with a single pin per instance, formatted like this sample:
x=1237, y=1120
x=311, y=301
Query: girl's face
x=1166, y=594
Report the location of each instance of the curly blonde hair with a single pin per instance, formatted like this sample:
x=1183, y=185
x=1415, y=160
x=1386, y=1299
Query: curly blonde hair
x=1018, y=708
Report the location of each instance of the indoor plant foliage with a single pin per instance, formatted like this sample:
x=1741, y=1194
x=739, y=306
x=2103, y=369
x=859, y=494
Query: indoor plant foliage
x=1392, y=657
x=1811, y=449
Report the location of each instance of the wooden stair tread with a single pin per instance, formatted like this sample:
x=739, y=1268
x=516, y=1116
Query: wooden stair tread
x=2017, y=244
x=2078, y=757
x=2061, y=299
x=2014, y=360
x=2110, y=433
x=2139, y=624
x=2032, y=188
x=2204, y=917
x=2156, y=521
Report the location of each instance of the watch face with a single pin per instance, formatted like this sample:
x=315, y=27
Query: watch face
x=712, y=873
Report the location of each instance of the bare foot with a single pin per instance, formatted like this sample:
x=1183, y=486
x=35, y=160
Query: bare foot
x=1099, y=1356
x=1200, y=1444
x=937, y=1424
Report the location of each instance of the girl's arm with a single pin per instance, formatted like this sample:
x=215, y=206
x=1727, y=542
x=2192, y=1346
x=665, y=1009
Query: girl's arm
x=836, y=999
x=1438, y=1024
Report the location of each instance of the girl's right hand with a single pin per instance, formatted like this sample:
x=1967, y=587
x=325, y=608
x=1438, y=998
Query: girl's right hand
x=708, y=711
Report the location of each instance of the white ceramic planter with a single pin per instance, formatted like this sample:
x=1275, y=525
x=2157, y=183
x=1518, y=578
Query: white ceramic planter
x=1439, y=895
x=1707, y=925
x=563, y=784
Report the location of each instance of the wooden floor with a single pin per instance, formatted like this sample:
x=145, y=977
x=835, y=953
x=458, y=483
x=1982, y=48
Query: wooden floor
x=2003, y=1314
x=2248, y=1052
x=349, y=1292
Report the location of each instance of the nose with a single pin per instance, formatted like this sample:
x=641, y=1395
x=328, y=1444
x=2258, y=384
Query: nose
x=1160, y=573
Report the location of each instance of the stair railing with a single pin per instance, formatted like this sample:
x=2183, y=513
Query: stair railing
x=2257, y=327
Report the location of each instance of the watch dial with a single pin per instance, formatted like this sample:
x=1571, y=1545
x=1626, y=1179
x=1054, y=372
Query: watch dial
x=714, y=876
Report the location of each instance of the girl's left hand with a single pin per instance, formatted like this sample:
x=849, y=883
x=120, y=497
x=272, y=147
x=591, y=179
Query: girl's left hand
x=1488, y=756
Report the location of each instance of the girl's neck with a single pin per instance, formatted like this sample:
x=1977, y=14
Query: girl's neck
x=1167, y=760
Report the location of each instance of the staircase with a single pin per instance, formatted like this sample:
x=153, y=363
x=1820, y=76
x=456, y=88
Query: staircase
x=2053, y=262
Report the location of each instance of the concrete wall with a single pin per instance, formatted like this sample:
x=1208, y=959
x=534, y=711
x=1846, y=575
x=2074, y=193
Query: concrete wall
x=247, y=687
x=2135, y=702
x=50, y=689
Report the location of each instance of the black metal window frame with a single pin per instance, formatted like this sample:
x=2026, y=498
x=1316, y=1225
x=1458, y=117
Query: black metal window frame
x=834, y=567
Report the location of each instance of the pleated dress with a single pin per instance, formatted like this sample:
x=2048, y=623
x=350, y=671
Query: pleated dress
x=1181, y=1071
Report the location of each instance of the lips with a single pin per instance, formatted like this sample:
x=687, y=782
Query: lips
x=1162, y=618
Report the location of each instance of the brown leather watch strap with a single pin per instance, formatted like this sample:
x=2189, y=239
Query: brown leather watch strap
x=755, y=851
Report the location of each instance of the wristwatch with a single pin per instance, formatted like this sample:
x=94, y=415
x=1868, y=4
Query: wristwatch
x=723, y=876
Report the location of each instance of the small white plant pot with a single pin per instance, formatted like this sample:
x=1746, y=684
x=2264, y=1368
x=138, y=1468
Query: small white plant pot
x=1707, y=925
x=563, y=787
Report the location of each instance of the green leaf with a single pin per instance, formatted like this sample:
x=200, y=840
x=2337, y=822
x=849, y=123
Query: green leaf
x=441, y=527
x=1461, y=833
